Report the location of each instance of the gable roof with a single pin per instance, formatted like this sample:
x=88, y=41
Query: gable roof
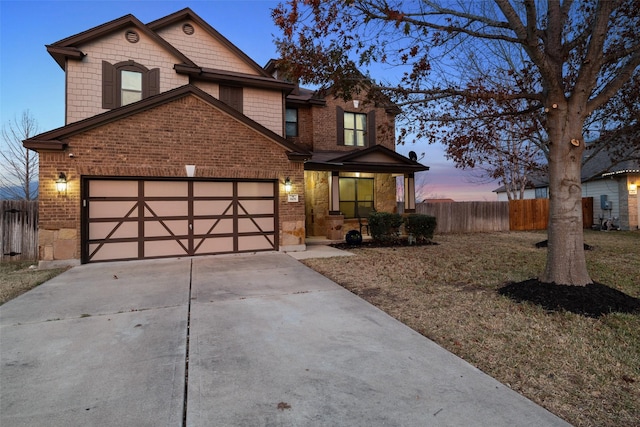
x=55, y=139
x=187, y=13
x=596, y=165
x=610, y=162
x=373, y=159
x=69, y=47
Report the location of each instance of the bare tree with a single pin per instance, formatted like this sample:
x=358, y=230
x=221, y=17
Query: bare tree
x=20, y=165
x=574, y=58
x=421, y=187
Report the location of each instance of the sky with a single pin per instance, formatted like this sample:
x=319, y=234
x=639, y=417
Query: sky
x=31, y=80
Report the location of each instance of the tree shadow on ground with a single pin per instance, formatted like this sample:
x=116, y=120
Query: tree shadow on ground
x=593, y=300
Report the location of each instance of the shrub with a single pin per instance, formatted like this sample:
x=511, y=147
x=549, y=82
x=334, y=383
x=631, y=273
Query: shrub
x=421, y=226
x=384, y=225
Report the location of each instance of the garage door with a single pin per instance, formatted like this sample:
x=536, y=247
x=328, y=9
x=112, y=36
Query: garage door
x=138, y=219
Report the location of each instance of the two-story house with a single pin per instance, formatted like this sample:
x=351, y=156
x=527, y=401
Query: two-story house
x=176, y=143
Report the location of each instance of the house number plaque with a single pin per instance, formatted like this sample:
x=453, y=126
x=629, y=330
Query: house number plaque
x=292, y=198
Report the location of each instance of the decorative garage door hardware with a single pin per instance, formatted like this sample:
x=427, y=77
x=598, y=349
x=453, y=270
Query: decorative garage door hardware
x=139, y=219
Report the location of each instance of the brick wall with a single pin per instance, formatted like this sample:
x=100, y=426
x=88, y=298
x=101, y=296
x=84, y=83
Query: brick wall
x=305, y=128
x=325, y=125
x=159, y=143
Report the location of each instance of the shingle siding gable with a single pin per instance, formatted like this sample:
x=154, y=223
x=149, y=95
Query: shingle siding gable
x=84, y=78
x=203, y=49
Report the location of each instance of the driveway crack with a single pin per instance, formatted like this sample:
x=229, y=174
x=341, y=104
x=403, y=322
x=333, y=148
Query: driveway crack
x=186, y=358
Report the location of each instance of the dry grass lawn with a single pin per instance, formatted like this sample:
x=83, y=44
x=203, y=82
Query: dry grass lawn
x=17, y=278
x=586, y=370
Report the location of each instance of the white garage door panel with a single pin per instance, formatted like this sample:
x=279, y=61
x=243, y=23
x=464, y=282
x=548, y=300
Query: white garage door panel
x=213, y=226
x=256, y=207
x=213, y=189
x=212, y=207
x=251, y=243
x=156, y=208
x=166, y=228
x=179, y=218
x=114, y=230
x=214, y=245
x=255, y=189
x=165, y=188
x=114, y=251
x=105, y=209
x=252, y=225
x=114, y=189
x=165, y=248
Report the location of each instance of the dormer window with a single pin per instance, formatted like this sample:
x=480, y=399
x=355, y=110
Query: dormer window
x=127, y=82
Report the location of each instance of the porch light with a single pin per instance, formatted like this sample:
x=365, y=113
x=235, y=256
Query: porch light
x=633, y=188
x=61, y=183
x=287, y=185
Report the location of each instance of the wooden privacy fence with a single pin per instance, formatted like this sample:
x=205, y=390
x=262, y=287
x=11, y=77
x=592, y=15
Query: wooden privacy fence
x=18, y=230
x=467, y=217
x=533, y=214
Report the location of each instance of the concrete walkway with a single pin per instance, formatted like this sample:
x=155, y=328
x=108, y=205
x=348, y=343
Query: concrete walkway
x=257, y=340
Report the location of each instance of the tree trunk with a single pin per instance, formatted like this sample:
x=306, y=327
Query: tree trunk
x=566, y=262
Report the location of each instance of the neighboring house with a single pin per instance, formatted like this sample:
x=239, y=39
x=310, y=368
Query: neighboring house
x=176, y=143
x=612, y=184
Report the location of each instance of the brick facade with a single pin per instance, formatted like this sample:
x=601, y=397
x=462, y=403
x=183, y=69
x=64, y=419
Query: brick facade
x=325, y=125
x=181, y=126
x=158, y=143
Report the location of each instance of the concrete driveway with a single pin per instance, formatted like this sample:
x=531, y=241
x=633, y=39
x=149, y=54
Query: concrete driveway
x=256, y=340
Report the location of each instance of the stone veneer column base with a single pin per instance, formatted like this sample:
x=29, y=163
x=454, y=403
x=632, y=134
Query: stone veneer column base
x=335, y=227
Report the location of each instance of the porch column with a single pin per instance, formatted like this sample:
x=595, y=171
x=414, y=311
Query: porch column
x=409, y=193
x=334, y=193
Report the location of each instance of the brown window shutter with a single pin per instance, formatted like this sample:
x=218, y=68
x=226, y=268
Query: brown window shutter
x=232, y=96
x=109, y=89
x=340, y=125
x=153, y=82
x=370, y=139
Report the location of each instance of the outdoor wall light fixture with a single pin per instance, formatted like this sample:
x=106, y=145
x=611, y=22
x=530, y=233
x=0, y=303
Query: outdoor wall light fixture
x=287, y=185
x=61, y=183
x=633, y=188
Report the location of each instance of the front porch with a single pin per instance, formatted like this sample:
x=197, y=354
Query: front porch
x=340, y=192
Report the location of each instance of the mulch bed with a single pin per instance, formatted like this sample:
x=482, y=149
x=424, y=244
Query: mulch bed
x=395, y=243
x=592, y=300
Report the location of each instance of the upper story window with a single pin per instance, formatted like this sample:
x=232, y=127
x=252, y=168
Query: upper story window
x=127, y=82
x=131, y=86
x=355, y=129
x=291, y=122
